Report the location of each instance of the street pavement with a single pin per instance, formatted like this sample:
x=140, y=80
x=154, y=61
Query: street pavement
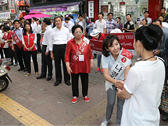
x=28, y=101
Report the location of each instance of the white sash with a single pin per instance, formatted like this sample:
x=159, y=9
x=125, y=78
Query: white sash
x=119, y=67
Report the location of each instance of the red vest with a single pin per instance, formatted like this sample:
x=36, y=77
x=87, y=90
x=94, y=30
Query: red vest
x=30, y=42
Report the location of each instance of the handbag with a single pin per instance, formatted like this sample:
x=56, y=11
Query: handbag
x=164, y=97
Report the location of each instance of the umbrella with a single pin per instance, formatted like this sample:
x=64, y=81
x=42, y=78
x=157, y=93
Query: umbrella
x=36, y=14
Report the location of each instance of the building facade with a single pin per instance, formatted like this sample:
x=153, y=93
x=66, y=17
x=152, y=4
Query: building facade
x=7, y=10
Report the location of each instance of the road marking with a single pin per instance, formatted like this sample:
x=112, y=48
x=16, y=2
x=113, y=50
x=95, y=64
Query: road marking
x=21, y=113
x=90, y=115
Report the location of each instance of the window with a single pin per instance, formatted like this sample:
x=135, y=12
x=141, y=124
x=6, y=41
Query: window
x=0, y=8
x=6, y=8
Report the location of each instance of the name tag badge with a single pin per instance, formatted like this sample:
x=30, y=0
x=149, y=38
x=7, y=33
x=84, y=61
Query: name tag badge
x=81, y=58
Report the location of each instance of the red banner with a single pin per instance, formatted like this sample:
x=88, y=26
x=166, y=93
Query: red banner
x=126, y=40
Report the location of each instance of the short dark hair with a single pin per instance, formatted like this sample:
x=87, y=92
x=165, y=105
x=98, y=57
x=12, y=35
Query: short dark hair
x=155, y=20
x=71, y=16
x=80, y=15
x=47, y=21
x=75, y=27
x=24, y=29
x=101, y=13
x=92, y=19
x=108, y=41
x=119, y=18
x=163, y=8
x=161, y=16
x=110, y=13
x=16, y=21
x=21, y=18
x=34, y=18
x=5, y=23
x=1, y=26
x=58, y=17
x=54, y=20
x=150, y=36
x=129, y=15
x=39, y=21
x=6, y=28
x=67, y=18
x=145, y=20
x=146, y=12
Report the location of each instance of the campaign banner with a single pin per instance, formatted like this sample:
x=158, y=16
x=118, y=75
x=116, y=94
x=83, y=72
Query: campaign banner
x=126, y=40
x=50, y=9
x=5, y=15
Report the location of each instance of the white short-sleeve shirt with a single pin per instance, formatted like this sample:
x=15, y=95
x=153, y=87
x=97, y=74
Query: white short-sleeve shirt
x=100, y=25
x=145, y=82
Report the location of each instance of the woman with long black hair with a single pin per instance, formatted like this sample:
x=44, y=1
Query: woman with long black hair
x=29, y=41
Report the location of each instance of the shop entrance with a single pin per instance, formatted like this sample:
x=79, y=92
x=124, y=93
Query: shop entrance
x=122, y=7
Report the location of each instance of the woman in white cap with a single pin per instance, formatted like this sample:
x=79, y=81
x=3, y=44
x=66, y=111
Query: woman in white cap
x=97, y=35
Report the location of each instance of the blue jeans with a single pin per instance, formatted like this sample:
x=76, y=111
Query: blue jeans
x=98, y=60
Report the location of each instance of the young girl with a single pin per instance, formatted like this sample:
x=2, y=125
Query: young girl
x=116, y=63
x=29, y=41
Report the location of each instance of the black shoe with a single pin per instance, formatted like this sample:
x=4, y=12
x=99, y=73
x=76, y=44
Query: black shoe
x=49, y=78
x=57, y=83
x=39, y=77
x=164, y=118
x=25, y=70
x=67, y=83
x=20, y=69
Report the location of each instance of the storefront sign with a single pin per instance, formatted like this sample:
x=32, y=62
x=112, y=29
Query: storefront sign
x=11, y=4
x=122, y=3
x=126, y=40
x=91, y=9
x=5, y=15
x=12, y=11
x=50, y=9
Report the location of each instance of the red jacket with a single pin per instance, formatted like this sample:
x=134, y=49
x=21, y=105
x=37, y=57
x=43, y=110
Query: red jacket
x=30, y=42
x=72, y=56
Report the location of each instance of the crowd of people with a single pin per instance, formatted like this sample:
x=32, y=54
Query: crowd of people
x=66, y=41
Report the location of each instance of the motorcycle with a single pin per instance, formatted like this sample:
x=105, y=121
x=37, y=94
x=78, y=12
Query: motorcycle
x=4, y=76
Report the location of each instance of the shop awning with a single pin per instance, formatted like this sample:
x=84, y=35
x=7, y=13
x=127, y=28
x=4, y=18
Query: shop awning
x=58, y=7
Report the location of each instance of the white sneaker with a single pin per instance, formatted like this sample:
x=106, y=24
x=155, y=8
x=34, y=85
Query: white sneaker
x=105, y=122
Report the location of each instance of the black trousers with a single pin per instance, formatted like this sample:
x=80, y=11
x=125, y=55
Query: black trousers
x=38, y=43
x=13, y=55
x=46, y=62
x=20, y=53
x=7, y=52
x=1, y=53
x=59, y=52
x=84, y=80
x=28, y=54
